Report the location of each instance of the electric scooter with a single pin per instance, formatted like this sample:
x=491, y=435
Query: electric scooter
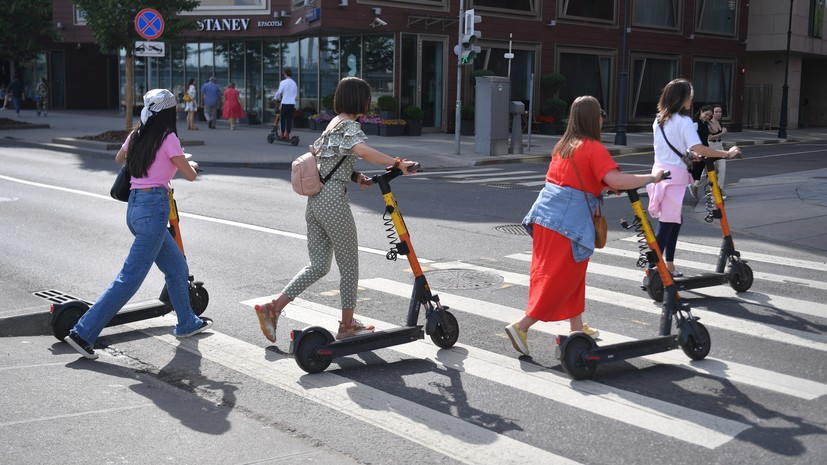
x=67, y=310
x=314, y=348
x=272, y=137
x=580, y=355
x=730, y=269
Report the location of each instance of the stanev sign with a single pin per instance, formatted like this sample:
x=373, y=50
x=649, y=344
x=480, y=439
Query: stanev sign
x=224, y=24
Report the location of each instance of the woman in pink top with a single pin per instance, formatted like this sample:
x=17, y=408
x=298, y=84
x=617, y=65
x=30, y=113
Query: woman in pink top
x=674, y=126
x=233, y=109
x=153, y=154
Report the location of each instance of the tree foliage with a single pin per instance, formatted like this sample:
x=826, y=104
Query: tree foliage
x=25, y=29
x=112, y=23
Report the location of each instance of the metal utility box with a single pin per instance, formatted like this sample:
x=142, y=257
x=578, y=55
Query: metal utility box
x=492, y=96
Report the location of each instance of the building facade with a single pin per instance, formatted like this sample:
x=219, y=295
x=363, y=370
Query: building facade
x=620, y=51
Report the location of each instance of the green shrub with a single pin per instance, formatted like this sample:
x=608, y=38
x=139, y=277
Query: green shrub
x=551, y=83
x=327, y=101
x=554, y=107
x=467, y=112
x=387, y=103
x=413, y=112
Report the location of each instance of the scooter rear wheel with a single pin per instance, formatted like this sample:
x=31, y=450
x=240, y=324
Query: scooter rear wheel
x=66, y=320
x=655, y=286
x=305, y=353
x=294, y=140
x=695, y=348
x=199, y=299
x=572, y=360
x=443, y=337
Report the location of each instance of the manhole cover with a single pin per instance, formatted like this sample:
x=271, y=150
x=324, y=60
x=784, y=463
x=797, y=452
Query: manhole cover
x=462, y=279
x=515, y=229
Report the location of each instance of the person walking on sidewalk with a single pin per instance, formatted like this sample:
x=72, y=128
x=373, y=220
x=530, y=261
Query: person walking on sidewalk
x=210, y=100
x=287, y=93
x=698, y=168
x=41, y=97
x=233, y=109
x=191, y=104
x=560, y=222
x=15, y=88
x=674, y=133
x=153, y=154
x=331, y=229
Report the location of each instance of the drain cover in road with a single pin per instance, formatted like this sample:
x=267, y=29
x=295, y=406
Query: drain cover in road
x=462, y=279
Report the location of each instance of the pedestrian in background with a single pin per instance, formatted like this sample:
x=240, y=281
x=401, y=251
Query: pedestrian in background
x=233, y=109
x=210, y=100
x=15, y=88
x=698, y=169
x=41, y=96
x=560, y=222
x=287, y=93
x=715, y=138
x=674, y=126
x=153, y=154
x=191, y=105
x=331, y=229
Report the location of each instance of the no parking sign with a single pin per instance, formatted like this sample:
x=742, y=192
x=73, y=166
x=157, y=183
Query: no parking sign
x=149, y=24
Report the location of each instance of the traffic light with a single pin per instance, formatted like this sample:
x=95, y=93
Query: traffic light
x=469, y=38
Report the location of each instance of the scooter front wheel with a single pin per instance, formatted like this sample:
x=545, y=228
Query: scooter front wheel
x=271, y=138
x=444, y=337
x=305, y=353
x=572, y=359
x=698, y=344
x=294, y=140
x=741, y=277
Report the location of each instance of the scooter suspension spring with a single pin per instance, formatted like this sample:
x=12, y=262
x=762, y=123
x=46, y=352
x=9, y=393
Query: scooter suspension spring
x=391, y=230
x=642, y=246
x=710, y=203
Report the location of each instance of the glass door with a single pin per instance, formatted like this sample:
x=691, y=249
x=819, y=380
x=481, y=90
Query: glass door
x=424, y=62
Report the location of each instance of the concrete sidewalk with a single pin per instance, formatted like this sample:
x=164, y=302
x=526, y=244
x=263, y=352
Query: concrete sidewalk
x=247, y=146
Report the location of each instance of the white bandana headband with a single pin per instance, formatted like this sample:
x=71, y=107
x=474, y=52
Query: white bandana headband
x=156, y=100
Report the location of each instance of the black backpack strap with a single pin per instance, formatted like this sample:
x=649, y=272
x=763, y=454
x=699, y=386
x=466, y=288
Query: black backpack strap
x=327, y=178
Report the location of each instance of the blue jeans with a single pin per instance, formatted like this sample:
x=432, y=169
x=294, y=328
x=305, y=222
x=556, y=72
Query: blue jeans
x=146, y=216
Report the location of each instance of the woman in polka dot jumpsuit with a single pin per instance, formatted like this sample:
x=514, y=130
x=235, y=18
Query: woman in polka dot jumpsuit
x=331, y=229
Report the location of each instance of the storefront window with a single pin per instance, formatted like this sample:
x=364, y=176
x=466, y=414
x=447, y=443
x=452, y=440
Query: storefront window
x=351, y=61
x=586, y=74
x=713, y=81
x=649, y=75
x=657, y=13
x=308, y=78
x=206, y=61
x=249, y=88
x=178, y=70
x=328, y=65
x=816, y=21
x=378, y=66
x=271, y=58
x=192, y=63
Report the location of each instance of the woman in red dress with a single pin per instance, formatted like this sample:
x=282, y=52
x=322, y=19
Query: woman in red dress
x=233, y=109
x=561, y=226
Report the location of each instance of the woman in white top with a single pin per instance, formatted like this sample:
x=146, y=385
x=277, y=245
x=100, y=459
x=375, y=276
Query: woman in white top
x=716, y=134
x=192, y=106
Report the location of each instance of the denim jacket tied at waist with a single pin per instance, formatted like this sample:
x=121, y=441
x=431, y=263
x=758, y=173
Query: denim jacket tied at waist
x=564, y=210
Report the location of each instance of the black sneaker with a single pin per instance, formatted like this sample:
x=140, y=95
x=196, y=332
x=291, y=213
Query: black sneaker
x=81, y=346
x=205, y=325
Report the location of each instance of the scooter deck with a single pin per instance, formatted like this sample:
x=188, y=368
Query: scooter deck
x=138, y=311
x=630, y=349
x=699, y=281
x=372, y=341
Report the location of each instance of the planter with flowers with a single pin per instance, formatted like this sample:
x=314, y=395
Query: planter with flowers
x=370, y=125
x=319, y=121
x=299, y=119
x=546, y=124
x=392, y=127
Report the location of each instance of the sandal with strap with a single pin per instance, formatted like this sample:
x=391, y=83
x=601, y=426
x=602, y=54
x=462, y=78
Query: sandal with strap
x=268, y=319
x=356, y=328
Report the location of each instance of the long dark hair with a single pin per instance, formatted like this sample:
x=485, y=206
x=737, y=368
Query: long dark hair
x=672, y=99
x=584, y=123
x=147, y=139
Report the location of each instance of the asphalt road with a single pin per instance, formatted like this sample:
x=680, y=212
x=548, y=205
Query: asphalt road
x=758, y=398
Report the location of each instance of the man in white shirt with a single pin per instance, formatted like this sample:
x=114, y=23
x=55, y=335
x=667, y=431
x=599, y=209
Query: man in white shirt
x=287, y=93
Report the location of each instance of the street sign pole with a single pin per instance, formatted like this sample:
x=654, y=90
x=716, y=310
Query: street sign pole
x=457, y=113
